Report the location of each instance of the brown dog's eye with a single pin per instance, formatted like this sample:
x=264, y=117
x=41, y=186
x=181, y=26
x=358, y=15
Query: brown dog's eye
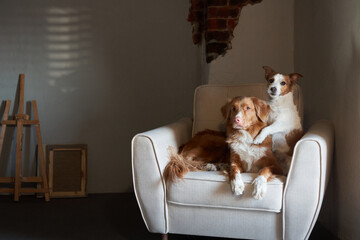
x=234, y=109
x=271, y=80
x=248, y=108
x=283, y=83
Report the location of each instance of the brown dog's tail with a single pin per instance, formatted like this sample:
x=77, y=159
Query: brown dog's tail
x=179, y=165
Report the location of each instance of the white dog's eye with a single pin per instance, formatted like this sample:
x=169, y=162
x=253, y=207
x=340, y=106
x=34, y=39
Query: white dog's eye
x=283, y=83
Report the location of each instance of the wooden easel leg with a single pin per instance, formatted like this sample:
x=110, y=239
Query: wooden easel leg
x=164, y=236
x=41, y=153
x=3, y=126
x=19, y=141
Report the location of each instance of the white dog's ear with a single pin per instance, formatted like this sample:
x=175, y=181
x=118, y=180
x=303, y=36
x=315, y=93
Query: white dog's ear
x=294, y=77
x=268, y=72
x=262, y=108
x=225, y=110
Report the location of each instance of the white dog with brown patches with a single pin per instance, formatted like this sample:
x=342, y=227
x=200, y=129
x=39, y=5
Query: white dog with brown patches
x=283, y=121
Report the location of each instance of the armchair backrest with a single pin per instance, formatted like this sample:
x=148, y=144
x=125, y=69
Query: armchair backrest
x=209, y=99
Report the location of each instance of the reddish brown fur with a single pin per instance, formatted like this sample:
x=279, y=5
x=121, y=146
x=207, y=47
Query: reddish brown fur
x=236, y=165
x=287, y=87
x=210, y=146
x=292, y=138
x=178, y=166
x=255, y=118
x=205, y=147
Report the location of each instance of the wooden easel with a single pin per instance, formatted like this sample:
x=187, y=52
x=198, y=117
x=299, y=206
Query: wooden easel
x=22, y=119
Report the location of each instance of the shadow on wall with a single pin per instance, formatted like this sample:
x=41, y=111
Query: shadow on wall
x=347, y=153
x=331, y=87
x=100, y=72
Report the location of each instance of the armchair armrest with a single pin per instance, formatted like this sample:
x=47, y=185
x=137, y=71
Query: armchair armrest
x=307, y=180
x=149, y=158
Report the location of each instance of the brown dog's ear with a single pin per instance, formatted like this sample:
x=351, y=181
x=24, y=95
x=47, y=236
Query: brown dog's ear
x=225, y=110
x=268, y=72
x=294, y=77
x=262, y=108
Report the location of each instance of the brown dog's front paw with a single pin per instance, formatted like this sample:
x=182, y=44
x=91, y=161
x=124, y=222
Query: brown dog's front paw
x=260, y=187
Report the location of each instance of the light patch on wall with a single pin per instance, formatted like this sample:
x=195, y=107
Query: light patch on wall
x=69, y=42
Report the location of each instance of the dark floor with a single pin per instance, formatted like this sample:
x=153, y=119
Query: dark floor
x=99, y=216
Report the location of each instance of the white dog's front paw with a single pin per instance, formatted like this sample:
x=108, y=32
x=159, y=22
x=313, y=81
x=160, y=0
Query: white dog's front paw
x=210, y=167
x=260, y=187
x=259, y=139
x=237, y=185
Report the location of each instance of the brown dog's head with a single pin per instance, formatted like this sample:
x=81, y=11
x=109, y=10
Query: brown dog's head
x=279, y=84
x=244, y=112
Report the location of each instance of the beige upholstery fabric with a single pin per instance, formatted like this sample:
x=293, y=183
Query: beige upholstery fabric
x=307, y=180
x=149, y=157
x=209, y=99
x=202, y=204
x=218, y=222
x=212, y=189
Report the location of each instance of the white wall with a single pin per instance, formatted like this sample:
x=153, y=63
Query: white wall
x=327, y=52
x=263, y=36
x=100, y=71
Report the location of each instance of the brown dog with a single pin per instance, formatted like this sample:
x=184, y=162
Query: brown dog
x=205, y=147
x=245, y=117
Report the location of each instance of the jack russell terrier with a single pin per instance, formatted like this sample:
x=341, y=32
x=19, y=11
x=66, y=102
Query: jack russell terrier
x=283, y=119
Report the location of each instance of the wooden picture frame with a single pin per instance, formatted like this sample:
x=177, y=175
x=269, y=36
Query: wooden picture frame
x=66, y=165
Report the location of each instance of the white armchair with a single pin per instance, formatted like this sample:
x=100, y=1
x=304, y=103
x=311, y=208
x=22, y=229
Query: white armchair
x=203, y=204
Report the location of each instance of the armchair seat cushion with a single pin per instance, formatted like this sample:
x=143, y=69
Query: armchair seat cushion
x=212, y=189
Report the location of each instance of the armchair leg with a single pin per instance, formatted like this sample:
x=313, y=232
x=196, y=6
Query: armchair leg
x=164, y=236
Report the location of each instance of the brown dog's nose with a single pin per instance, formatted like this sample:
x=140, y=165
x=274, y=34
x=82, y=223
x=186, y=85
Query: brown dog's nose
x=238, y=121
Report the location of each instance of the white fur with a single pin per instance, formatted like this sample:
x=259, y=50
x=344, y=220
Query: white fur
x=283, y=118
x=278, y=78
x=248, y=152
x=217, y=167
x=210, y=167
x=237, y=185
x=260, y=187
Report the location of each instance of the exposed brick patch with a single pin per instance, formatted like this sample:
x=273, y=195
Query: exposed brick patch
x=196, y=17
x=231, y=23
x=237, y=2
x=216, y=24
x=216, y=47
x=216, y=21
x=222, y=12
x=216, y=2
x=219, y=36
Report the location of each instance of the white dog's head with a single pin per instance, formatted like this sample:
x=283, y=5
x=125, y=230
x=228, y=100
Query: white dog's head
x=279, y=84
